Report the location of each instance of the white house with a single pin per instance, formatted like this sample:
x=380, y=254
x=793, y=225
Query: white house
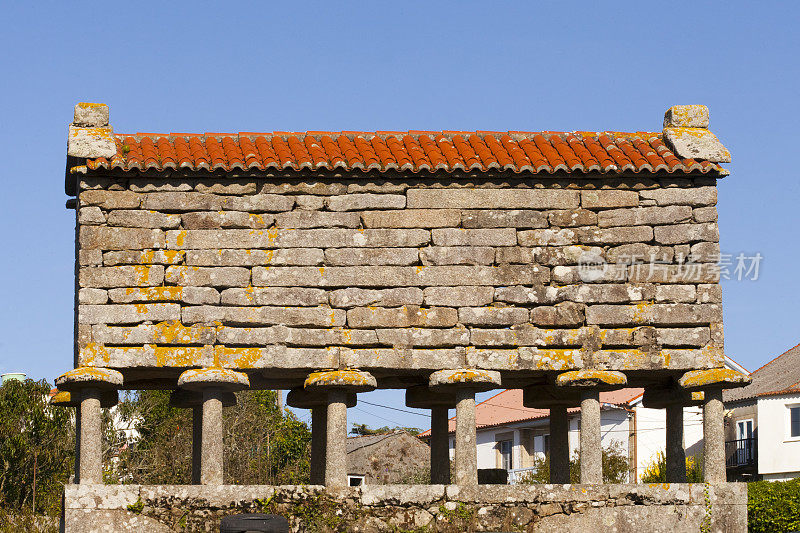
x=763, y=422
x=510, y=436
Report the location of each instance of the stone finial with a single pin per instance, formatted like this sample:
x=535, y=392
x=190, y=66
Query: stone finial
x=108, y=398
x=309, y=399
x=715, y=378
x=89, y=115
x=89, y=377
x=90, y=135
x=220, y=378
x=350, y=380
x=686, y=130
x=473, y=378
x=602, y=379
x=686, y=116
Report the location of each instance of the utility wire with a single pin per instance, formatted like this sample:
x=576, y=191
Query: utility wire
x=395, y=408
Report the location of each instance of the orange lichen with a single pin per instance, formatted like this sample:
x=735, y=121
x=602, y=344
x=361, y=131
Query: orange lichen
x=237, y=357
x=61, y=398
x=715, y=377
x=585, y=377
x=340, y=378
x=180, y=356
x=156, y=294
x=180, y=239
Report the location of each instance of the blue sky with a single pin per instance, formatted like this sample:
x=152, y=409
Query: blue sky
x=264, y=66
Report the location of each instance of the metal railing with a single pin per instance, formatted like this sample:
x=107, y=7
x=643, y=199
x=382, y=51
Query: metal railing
x=740, y=452
x=515, y=474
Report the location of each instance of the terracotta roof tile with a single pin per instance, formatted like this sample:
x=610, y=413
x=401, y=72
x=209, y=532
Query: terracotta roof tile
x=506, y=408
x=414, y=151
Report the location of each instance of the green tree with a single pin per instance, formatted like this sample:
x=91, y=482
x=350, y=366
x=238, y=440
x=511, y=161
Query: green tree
x=36, y=448
x=262, y=444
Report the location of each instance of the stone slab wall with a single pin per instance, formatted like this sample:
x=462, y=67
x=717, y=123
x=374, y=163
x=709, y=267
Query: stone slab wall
x=660, y=508
x=386, y=274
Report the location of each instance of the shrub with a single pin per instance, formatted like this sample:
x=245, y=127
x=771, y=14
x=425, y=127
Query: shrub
x=615, y=467
x=656, y=471
x=773, y=506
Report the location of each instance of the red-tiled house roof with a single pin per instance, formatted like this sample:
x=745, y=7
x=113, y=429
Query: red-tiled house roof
x=414, y=151
x=506, y=408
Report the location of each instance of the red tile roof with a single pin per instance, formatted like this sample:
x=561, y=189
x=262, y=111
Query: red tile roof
x=506, y=408
x=414, y=151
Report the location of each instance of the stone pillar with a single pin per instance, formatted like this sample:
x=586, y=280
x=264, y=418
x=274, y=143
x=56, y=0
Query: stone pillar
x=76, y=476
x=440, y=447
x=675, y=453
x=466, y=447
x=559, y=445
x=211, y=449
x=197, y=440
x=464, y=383
x=336, y=386
x=336, y=442
x=319, y=442
x=91, y=437
x=591, y=449
x=214, y=384
x=590, y=383
x=317, y=401
x=93, y=388
x=421, y=397
x=713, y=438
x=711, y=382
x=188, y=399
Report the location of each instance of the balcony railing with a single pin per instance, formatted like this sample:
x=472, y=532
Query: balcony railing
x=515, y=474
x=741, y=452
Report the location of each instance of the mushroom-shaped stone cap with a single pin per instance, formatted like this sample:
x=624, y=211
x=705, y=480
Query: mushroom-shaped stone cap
x=600, y=379
x=89, y=378
x=716, y=378
x=350, y=380
x=473, y=378
x=220, y=378
x=309, y=399
x=108, y=398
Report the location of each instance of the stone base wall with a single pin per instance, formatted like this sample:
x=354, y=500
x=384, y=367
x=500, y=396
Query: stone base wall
x=419, y=508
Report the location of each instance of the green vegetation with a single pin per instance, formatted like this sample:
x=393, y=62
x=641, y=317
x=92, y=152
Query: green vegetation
x=656, y=471
x=317, y=514
x=615, y=467
x=263, y=446
x=773, y=506
x=36, y=449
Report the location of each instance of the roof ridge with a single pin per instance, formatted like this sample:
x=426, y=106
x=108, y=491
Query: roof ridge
x=775, y=359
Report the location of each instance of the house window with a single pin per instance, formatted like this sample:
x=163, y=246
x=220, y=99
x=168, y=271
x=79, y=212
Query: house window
x=506, y=448
x=744, y=429
x=794, y=421
x=354, y=480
